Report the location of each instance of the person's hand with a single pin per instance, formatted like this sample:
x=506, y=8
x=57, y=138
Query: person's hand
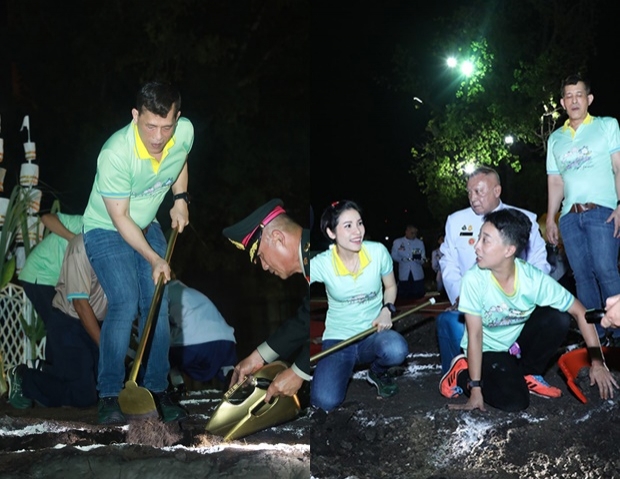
x=615, y=217
x=384, y=320
x=600, y=375
x=248, y=366
x=612, y=314
x=286, y=383
x=453, y=307
x=552, y=231
x=179, y=214
x=475, y=401
x=158, y=267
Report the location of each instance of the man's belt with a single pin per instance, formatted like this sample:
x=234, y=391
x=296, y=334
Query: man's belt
x=581, y=207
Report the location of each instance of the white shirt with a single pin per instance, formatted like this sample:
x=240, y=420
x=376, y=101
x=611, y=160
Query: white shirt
x=462, y=229
x=410, y=255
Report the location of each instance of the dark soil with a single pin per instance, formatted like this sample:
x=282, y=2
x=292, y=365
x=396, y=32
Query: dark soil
x=415, y=435
x=67, y=442
x=412, y=435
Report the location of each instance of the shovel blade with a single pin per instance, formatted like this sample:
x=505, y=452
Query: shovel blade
x=239, y=415
x=136, y=401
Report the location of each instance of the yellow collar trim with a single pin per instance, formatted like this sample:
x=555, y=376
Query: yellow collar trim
x=144, y=154
x=587, y=120
x=341, y=269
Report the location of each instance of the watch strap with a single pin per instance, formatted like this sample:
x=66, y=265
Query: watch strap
x=181, y=196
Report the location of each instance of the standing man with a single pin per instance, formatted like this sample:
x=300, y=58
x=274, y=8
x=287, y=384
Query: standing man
x=73, y=329
x=410, y=254
x=583, y=170
x=462, y=229
x=283, y=248
x=125, y=244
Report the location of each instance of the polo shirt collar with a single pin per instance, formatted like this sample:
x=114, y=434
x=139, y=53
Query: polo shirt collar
x=341, y=269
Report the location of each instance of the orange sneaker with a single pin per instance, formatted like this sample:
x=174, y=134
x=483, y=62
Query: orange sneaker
x=447, y=385
x=537, y=385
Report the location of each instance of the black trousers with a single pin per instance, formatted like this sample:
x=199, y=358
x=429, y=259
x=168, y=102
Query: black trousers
x=504, y=386
x=71, y=380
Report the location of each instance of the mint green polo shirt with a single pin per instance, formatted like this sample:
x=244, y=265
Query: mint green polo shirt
x=45, y=260
x=125, y=170
x=583, y=158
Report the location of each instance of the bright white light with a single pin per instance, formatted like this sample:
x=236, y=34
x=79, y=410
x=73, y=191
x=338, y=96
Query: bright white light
x=387, y=238
x=467, y=68
x=451, y=62
x=509, y=139
x=469, y=168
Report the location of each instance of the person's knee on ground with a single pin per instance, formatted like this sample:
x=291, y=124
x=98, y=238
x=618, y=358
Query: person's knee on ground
x=450, y=329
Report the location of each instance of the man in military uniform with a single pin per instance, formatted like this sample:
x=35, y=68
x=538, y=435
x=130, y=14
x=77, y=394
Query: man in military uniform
x=283, y=247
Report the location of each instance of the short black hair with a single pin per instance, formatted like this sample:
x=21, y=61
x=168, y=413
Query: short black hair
x=159, y=98
x=513, y=226
x=573, y=79
x=331, y=215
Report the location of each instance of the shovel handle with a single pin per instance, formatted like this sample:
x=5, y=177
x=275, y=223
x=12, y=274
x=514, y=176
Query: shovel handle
x=154, y=302
x=369, y=331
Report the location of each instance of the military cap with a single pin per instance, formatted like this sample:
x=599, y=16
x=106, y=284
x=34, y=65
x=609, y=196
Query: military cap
x=247, y=233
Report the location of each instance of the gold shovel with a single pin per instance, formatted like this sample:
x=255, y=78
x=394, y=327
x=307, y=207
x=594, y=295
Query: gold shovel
x=363, y=334
x=135, y=400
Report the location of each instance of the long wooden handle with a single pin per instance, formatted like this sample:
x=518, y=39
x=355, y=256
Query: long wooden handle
x=154, y=302
x=369, y=331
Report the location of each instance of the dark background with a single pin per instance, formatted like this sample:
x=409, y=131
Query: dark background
x=285, y=97
x=362, y=132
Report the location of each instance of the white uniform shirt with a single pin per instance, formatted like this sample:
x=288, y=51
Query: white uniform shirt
x=462, y=229
x=410, y=255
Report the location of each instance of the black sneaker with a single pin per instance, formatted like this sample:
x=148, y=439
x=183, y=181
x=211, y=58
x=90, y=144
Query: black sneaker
x=386, y=387
x=16, y=395
x=109, y=412
x=169, y=410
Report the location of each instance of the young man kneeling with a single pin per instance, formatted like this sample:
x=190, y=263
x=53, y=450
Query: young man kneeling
x=516, y=318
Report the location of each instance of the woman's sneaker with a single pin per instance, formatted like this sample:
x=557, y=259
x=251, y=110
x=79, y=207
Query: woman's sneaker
x=386, y=386
x=448, y=386
x=16, y=395
x=537, y=385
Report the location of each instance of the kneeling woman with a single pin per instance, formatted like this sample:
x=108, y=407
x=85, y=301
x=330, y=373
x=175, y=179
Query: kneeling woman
x=361, y=289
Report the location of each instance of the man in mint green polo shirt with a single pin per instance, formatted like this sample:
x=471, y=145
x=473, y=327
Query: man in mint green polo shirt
x=125, y=244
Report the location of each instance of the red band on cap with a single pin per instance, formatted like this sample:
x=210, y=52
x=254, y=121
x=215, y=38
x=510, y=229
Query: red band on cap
x=277, y=211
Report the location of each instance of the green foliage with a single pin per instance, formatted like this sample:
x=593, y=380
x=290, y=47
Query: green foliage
x=519, y=61
x=16, y=212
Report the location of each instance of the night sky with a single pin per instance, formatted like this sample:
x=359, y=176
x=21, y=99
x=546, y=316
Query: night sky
x=362, y=133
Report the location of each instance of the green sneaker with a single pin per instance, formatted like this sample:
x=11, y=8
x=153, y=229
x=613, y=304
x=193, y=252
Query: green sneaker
x=386, y=387
x=16, y=396
x=168, y=409
x=109, y=412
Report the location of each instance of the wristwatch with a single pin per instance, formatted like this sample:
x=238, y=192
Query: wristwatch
x=474, y=384
x=181, y=196
x=391, y=308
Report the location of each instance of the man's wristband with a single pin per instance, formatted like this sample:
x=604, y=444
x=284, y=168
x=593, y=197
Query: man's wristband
x=474, y=384
x=618, y=203
x=181, y=196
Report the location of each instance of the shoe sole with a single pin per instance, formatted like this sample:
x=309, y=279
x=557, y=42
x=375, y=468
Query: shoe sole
x=452, y=365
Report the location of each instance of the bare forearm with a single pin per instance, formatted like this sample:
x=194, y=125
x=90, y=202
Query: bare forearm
x=87, y=318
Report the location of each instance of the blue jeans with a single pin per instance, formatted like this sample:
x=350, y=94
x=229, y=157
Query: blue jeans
x=331, y=376
x=450, y=329
x=592, y=252
x=127, y=281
